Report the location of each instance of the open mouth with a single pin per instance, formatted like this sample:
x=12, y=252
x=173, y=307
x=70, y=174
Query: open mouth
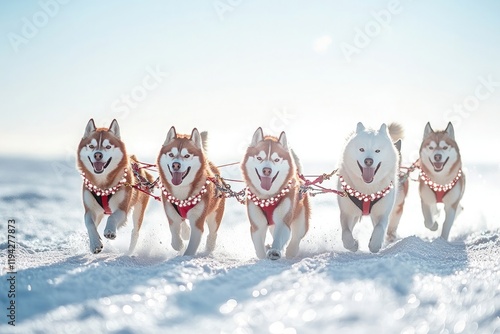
x=178, y=177
x=100, y=166
x=368, y=173
x=266, y=182
x=438, y=165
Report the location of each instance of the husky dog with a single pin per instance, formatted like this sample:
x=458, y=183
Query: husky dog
x=441, y=177
x=368, y=174
x=270, y=172
x=187, y=192
x=105, y=167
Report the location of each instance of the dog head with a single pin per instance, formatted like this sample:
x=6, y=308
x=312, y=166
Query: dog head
x=101, y=150
x=181, y=157
x=370, y=154
x=268, y=164
x=439, y=150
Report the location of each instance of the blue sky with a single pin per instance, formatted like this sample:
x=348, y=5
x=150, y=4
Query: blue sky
x=231, y=66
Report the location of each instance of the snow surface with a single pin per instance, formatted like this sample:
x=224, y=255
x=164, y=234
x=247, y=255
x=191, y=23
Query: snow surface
x=418, y=284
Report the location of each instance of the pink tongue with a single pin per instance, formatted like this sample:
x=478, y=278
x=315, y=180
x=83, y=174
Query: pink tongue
x=99, y=166
x=177, y=178
x=266, y=182
x=368, y=173
x=438, y=165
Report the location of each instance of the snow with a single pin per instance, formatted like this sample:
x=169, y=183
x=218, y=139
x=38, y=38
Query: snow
x=418, y=284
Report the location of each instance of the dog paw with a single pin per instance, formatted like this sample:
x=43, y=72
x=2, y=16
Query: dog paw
x=110, y=234
x=96, y=247
x=353, y=247
x=432, y=226
x=374, y=247
x=273, y=254
x=177, y=244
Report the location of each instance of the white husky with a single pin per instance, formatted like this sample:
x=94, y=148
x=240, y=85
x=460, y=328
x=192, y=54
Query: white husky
x=368, y=175
x=441, y=177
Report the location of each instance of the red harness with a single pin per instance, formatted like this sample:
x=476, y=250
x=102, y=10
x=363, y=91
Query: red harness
x=102, y=196
x=364, y=202
x=183, y=206
x=268, y=205
x=440, y=190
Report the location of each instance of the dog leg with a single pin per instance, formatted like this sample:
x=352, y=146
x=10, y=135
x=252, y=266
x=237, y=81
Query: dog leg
x=448, y=222
x=429, y=217
x=116, y=219
x=299, y=229
x=258, y=229
x=194, y=240
x=185, y=230
x=94, y=238
x=212, y=231
x=348, y=222
x=281, y=236
x=379, y=230
x=137, y=217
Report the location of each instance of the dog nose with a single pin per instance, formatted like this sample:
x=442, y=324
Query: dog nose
x=368, y=162
x=98, y=156
x=176, y=166
x=438, y=157
x=267, y=171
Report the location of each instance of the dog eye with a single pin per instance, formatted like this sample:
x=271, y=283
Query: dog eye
x=108, y=147
x=445, y=148
x=91, y=147
x=277, y=160
x=431, y=148
x=171, y=155
x=377, y=151
x=361, y=149
x=187, y=156
x=259, y=158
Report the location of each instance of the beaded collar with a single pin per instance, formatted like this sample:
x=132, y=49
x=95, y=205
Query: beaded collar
x=272, y=201
x=104, y=192
x=190, y=201
x=439, y=190
x=268, y=205
x=364, y=201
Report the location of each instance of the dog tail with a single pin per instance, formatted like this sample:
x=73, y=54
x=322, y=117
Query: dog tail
x=396, y=131
x=204, y=140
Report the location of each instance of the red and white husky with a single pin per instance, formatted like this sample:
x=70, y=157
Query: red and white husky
x=270, y=172
x=187, y=192
x=441, y=177
x=105, y=167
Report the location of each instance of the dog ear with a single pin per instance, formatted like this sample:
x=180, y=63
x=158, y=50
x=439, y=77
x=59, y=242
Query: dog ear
x=114, y=128
x=383, y=129
x=171, y=135
x=89, y=128
x=450, y=131
x=196, y=138
x=360, y=128
x=258, y=136
x=398, y=145
x=428, y=130
x=283, y=141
